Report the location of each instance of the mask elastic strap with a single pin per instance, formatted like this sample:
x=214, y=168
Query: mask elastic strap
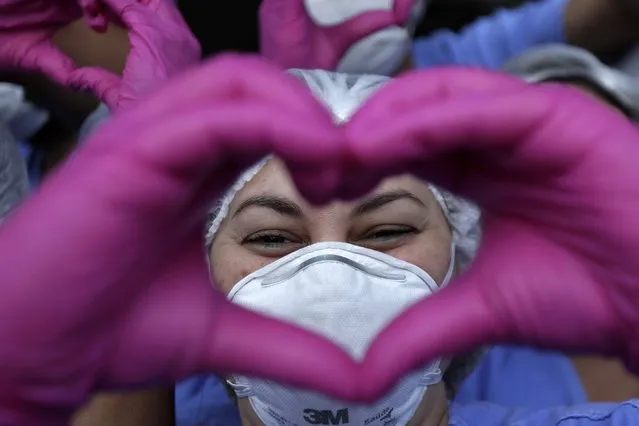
x=432, y=376
x=241, y=390
x=451, y=267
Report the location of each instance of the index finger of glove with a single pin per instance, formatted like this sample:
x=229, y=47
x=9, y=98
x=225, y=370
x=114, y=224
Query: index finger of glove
x=459, y=141
x=104, y=84
x=416, y=89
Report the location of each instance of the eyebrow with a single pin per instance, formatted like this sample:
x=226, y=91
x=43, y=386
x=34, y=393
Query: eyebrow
x=281, y=205
x=380, y=200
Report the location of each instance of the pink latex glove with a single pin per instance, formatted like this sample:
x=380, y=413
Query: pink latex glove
x=557, y=175
x=103, y=281
x=26, y=27
x=289, y=37
x=162, y=46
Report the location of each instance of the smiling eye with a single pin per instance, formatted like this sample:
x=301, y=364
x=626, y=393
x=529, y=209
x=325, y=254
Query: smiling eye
x=267, y=239
x=272, y=243
x=389, y=232
x=386, y=237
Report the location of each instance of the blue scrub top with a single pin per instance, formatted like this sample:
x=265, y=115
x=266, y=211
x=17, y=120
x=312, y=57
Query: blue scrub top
x=485, y=414
x=506, y=380
x=523, y=377
x=203, y=401
x=492, y=41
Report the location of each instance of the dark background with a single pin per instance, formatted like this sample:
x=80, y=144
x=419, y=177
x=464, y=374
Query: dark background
x=232, y=25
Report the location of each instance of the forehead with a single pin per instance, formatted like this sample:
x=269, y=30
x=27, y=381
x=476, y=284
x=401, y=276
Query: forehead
x=274, y=179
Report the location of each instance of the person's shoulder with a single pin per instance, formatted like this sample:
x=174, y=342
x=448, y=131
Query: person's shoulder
x=480, y=414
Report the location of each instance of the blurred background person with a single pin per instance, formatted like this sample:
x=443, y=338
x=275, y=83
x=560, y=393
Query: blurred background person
x=18, y=120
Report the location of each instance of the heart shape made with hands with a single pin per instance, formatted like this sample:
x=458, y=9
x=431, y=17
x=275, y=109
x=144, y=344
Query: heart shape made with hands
x=116, y=294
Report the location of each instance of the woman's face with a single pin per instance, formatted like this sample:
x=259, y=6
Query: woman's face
x=269, y=219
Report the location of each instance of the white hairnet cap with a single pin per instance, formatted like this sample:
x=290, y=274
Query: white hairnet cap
x=343, y=94
x=563, y=63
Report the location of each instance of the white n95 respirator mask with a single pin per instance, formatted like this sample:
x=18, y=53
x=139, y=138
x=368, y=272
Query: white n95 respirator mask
x=347, y=294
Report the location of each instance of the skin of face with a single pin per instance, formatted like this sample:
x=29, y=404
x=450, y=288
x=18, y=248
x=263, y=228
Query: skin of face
x=269, y=219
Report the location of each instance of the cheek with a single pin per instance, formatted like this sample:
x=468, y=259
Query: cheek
x=430, y=251
x=231, y=267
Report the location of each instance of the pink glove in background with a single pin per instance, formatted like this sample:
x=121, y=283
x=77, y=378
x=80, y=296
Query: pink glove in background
x=290, y=38
x=104, y=282
x=557, y=175
x=26, y=28
x=162, y=46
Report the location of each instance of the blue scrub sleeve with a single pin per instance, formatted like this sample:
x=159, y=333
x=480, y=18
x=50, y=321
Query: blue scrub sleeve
x=514, y=376
x=491, y=41
x=624, y=414
x=203, y=401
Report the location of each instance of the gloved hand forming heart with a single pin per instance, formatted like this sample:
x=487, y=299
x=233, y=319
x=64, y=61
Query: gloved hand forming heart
x=162, y=46
x=294, y=36
x=103, y=276
x=104, y=282
x=556, y=176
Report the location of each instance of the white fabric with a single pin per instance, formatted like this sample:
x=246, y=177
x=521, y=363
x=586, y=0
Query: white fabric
x=382, y=52
x=347, y=294
x=558, y=62
x=334, y=12
x=22, y=117
x=327, y=13
x=19, y=120
x=342, y=94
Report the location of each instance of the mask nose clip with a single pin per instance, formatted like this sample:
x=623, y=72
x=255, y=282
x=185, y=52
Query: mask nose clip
x=336, y=259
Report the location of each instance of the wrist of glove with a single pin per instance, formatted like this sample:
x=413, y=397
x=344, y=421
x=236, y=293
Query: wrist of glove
x=562, y=63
